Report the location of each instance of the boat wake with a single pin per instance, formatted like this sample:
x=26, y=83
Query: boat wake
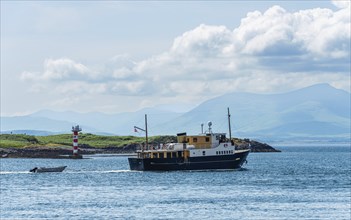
x=13, y=172
x=73, y=171
x=218, y=170
x=115, y=171
x=102, y=171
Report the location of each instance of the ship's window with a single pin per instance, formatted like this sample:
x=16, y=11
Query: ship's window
x=216, y=152
x=161, y=155
x=195, y=139
x=180, y=154
x=203, y=153
x=207, y=139
x=154, y=155
x=169, y=155
x=174, y=154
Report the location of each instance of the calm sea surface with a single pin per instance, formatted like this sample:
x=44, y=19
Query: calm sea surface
x=299, y=183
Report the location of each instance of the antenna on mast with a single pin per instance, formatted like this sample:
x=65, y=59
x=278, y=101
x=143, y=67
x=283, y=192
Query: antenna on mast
x=230, y=129
x=209, y=127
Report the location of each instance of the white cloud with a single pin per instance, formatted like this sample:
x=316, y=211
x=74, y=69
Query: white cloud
x=318, y=33
x=269, y=51
x=59, y=69
x=202, y=41
x=64, y=69
x=267, y=33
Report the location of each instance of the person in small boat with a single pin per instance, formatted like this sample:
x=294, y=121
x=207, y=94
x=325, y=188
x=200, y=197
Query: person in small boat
x=34, y=169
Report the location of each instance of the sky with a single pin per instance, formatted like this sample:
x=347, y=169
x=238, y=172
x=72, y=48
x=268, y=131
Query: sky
x=123, y=56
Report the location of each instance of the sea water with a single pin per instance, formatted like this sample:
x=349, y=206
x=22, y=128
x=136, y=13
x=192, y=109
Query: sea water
x=298, y=183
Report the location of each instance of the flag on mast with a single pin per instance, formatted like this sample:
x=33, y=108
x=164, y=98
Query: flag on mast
x=136, y=129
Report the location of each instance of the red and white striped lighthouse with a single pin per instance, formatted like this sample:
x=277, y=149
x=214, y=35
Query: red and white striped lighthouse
x=75, y=130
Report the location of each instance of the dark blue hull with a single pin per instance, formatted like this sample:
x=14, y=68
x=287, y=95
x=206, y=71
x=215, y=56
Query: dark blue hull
x=192, y=163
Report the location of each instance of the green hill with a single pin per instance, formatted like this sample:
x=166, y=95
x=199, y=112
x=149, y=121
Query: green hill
x=85, y=140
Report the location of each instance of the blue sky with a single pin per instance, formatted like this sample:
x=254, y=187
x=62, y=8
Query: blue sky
x=124, y=56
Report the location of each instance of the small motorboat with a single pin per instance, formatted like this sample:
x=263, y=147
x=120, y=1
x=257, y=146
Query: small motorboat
x=47, y=169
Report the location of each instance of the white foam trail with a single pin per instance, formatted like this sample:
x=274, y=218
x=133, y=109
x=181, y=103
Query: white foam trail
x=13, y=172
x=102, y=171
x=73, y=171
x=115, y=171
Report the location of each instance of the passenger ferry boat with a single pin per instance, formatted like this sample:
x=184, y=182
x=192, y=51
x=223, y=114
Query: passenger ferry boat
x=206, y=151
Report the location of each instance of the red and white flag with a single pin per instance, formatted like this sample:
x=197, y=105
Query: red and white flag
x=137, y=129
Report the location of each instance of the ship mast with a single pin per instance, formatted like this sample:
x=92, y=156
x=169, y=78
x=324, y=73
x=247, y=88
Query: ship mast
x=146, y=138
x=230, y=129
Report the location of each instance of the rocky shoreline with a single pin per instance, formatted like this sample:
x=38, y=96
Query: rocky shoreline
x=65, y=151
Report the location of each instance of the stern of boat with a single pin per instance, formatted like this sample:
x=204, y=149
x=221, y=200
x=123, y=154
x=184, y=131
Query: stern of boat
x=136, y=163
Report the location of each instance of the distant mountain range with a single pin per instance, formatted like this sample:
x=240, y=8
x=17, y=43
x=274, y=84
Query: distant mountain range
x=316, y=112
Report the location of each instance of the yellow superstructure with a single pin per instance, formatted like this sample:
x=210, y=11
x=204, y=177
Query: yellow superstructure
x=199, y=141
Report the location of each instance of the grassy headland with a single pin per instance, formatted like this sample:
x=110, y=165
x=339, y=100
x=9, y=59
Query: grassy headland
x=21, y=145
x=85, y=140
